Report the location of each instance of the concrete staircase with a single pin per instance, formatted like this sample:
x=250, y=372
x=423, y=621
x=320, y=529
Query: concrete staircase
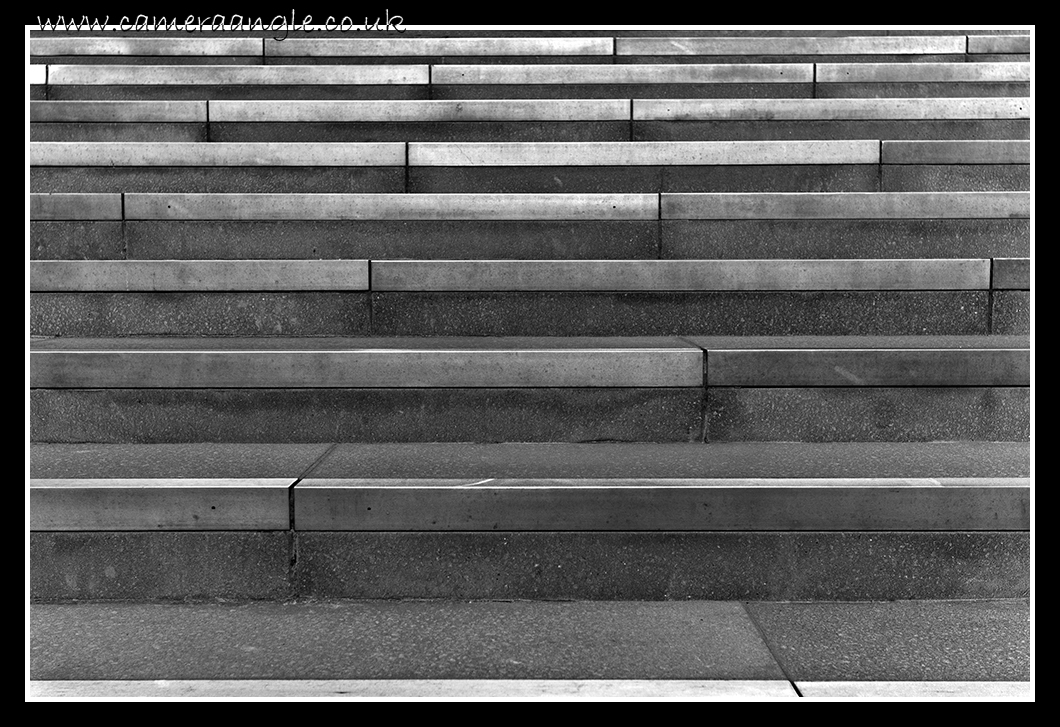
x=608, y=316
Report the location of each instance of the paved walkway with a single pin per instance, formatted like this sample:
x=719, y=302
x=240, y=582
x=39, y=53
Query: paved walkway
x=522, y=649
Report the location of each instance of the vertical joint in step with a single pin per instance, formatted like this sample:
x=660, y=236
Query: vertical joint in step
x=430, y=81
x=879, y=167
x=813, y=86
x=292, y=533
x=769, y=647
x=406, y=167
x=208, y=135
x=703, y=396
x=631, y=119
x=263, y=61
x=47, y=68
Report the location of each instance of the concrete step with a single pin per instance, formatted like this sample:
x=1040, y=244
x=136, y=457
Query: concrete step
x=515, y=50
x=835, y=118
x=494, y=297
x=792, y=49
x=189, y=82
x=109, y=121
x=893, y=80
x=518, y=389
x=146, y=51
x=902, y=506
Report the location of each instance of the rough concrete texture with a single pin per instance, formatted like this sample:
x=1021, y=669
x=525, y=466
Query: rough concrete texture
x=663, y=566
x=163, y=461
x=199, y=314
x=903, y=641
x=153, y=60
x=614, y=460
x=956, y=178
x=140, y=131
x=923, y=89
x=387, y=239
x=158, y=565
x=400, y=640
x=1010, y=311
x=763, y=130
x=37, y=92
x=656, y=314
x=249, y=92
x=632, y=90
x=916, y=414
x=823, y=58
x=365, y=415
x=844, y=239
x=434, y=60
x=423, y=131
x=73, y=240
x=231, y=180
x=720, y=178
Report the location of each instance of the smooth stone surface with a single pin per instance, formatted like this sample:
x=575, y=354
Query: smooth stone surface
x=1010, y=312
x=365, y=415
x=822, y=109
x=613, y=460
x=917, y=690
x=429, y=111
x=663, y=566
x=391, y=207
x=646, y=90
x=120, y=131
x=400, y=641
x=382, y=239
x=735, y=504
x=956, y=178
x=153, y=60
x=860, y=414
x=132, y=154
x=644, y=153
x=220, y=180
x=159, y=504
x=867, y=367
x=103, y=75
x=37, y=75
x=912, y=205
x=75, y=207
x=922, y=72
x=158, y=566
x=233, y=90
x=1011, y=273
x=420, y=688
x=622, y=74
x=117, y=112
x=793, y=46
x=664, y=275
x=217, y=313
x=999, y=44
x=956, y=152
x=368, y=366
x=740, y=178
x=440, y=47
x=103, y=461
x=72, y=240
x=198, y=275
x=457, y=131
x=680, y=313
x=132, y=46
x=871, y=239
x=763, y=129
x=970, y=640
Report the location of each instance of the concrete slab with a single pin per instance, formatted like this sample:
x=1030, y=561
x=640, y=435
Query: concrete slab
x=220, y=179
x=926, y=89
x=145, y=46
x=391, y=207
x=821, y=109
x=422, y=111
x=754, y=313
x=197, y=275
x=853, y=205
x=692, y=86
x=999, y=44
x=418, y=688
x=922, y=72
x=73, y=240
x=871, y=239
x=132, y=154
x=281, y=90
x=961, y=641
x=366, y=415
x=37, y=74
x=75, y=207
x=407, y=640
x=476, y=462
x=808, y=566
x=209, y=313
x=118, y=131
x=454, y=131
x=1011, y=273
x=792, y=46
x=1010, y=312
x=917, y=690
x=956, y=178
x=858, y=414
x=117, y=111
x=761, y=129
x=150, y=566
x=103, y=75
x=152, y=461
x=440, y=47
x=622, y=74
x=956, y=152
x=159, y=504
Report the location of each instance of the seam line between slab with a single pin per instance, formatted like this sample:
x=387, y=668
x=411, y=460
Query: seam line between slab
x=765, y=642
